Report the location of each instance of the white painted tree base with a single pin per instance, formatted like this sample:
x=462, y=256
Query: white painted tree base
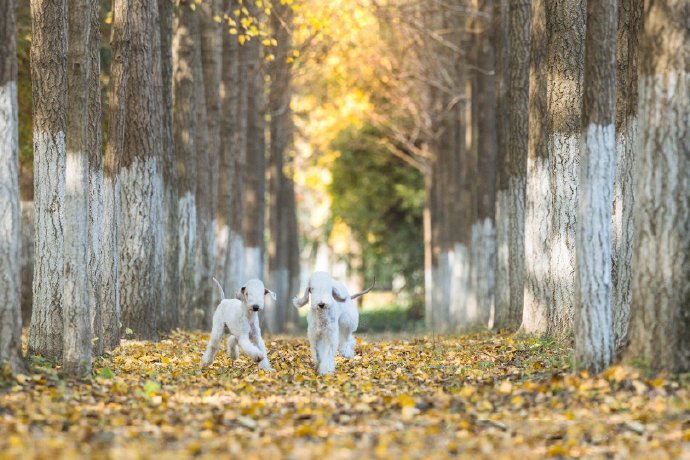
x=501, y=309
x=482, y=273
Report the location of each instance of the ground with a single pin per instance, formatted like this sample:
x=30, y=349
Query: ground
x=471, y=396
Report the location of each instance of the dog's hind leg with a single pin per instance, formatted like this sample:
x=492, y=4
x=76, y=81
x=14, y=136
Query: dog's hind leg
x=346, y=346
x=232, y=348
x=213, y=344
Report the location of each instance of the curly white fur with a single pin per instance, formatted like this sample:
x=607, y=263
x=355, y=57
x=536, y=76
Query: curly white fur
x=241, y=317
x=332, y=319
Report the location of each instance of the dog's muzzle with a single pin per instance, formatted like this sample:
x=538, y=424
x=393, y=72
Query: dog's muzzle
x=256, y=307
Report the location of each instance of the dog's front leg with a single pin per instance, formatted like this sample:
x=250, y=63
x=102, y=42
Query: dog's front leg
x=326, y=348
x=249, y=348
x=263, y=364
x=232, y=349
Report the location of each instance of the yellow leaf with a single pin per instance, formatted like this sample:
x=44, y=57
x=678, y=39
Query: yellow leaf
x=232, y=31
x=242, y=39
x=192, y=6
x=217, y=19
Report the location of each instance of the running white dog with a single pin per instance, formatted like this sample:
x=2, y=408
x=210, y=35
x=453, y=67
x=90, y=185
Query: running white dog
x=241, y=317
x=331, y=321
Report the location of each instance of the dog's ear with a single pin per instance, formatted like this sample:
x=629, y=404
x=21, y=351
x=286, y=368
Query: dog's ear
x=271, y=293
x=337, y=295
x=241, y=294
x=302, y=301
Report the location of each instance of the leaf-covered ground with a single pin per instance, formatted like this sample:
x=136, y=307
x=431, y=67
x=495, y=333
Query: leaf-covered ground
x=471, y=396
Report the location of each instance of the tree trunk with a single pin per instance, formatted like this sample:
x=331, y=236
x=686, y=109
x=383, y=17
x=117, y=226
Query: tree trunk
x=660, y=311
x=96, y=266
x=280, y=187
x=518, y=135
x=593, y=320
x=483, y=227
x=185, y=53
x=565, y=24
x=141, y=244
x=169, y=319
x=10, y=213
x=205, y=229
x=119, y=72
x=27, y=258
x=211, y=55
x=537, y=297
x=629, y=22
x=255, y=170
x=49, y=95
x=501, y=315
x=76, y=355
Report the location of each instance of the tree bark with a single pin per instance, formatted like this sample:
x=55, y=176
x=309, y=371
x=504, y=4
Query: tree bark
x=211, y=54
x=10, y=213
x=593, y=319
x=255, y=170
x=185, y=55
x=76, y=355
x=629, y=22
x=537, y=297
x=119, y=72
x=96, y=265
x=660, y=311
x=565, y=24
x=49, y=95
x=170, y=311
x=501, y=312
x=141, y=242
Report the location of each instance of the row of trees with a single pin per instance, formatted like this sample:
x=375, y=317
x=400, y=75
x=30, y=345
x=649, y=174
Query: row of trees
x=128, y=233
x=553, y=137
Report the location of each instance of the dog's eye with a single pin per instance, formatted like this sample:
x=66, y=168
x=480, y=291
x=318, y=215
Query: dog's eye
x=309, y=290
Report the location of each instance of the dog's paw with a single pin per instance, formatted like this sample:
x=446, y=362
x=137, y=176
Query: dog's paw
x=265, y=365
x=259, y=358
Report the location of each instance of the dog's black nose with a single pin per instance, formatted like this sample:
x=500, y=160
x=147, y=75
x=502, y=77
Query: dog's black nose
x=255, y=307
x=321, y=304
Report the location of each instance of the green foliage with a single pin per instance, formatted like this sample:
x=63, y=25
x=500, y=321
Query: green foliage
x=381, y=198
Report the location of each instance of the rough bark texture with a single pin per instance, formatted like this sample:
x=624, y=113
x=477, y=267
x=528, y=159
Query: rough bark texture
x=593, y=319
x=280, y=317
x=141, y=239
x=483, y=227
x=255, y=170
x=49, y=95
x=537, y=297
x=565, y=23
x=518, y=134
x=96, y=266
x=76, y=355
x=170, y=309
x=185, y=55
x=119, y=70
x=27, y=259
x=211, y=56
x=629, y=22
x=10, y=214
x=659, y=333
x=502, y=213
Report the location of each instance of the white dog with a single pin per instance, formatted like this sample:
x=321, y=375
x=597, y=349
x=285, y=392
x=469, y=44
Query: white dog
x=241, y=317
x=331, y=321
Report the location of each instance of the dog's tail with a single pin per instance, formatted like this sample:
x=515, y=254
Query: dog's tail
x=360, y=294
x=222, y=294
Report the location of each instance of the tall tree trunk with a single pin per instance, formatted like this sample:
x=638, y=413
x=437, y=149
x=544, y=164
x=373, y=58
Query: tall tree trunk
x=185, y=53
x=10, y=214
x=141, y=244
x=501, y=42
x=231, y=179
x=212, y=55
x=565, y=24
x=76, y=355
x=660, y=311
x=27, y=258
x=518, y=135
x=484, y=227
x=255, y=170
x=593, y=319
x=119, y=70
x=537, y=297
x=280, y=188
x=96, y=266
x=171, y=298
x=49, y=95
x=629, y=22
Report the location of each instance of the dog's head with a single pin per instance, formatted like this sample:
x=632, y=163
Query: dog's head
x=252, y=295
x=322, y=291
